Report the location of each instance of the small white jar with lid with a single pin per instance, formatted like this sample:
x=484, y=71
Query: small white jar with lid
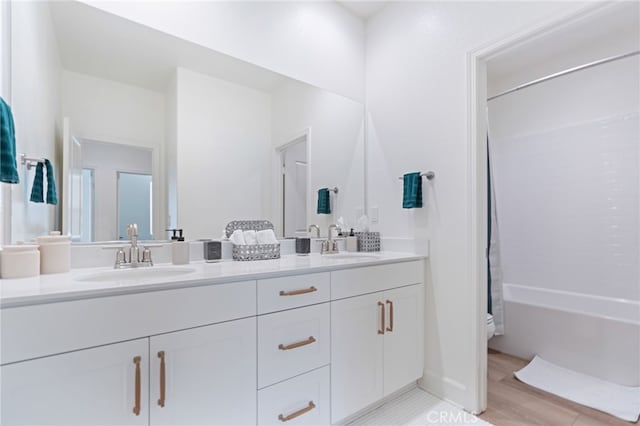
x=19, y=261
x=55, y=253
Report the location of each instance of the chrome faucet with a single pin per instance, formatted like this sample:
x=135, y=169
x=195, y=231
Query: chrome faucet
x=134, y=259
x=317, y=230
x=134, y=252
x=330, y=246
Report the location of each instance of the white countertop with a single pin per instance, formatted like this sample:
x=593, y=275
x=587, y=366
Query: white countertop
x=67, y=286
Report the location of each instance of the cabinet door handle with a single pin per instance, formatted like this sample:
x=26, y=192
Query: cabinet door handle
x=306, y=342
x=390, y=303
x=136, y=407
x=298, y=292
x=162, y=379
x=381, y=330
x=298, y=413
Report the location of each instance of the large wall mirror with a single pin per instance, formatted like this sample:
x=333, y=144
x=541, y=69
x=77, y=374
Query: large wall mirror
x=153, y=129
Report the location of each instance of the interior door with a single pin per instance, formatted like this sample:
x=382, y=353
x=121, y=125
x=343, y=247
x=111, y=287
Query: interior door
x=356, y=354
x=294, y=166
x=404, y=337
x=87, y=387
x=209, y=375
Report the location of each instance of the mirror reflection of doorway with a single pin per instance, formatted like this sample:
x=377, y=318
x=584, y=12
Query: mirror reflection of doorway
x=294, y=188
x=134, y=204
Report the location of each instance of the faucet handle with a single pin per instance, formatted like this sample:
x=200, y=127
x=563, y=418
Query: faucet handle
x=121, y=258
x=146, y=256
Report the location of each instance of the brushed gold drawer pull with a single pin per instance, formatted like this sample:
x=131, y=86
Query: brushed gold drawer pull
x=298, y=292
x=163, y=385
x=136, y=407
x=309, y=341
x=298, y=413
x=381, y=330
x=390, y=303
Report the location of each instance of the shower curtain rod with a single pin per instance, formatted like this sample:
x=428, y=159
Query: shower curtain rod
x=565, y=72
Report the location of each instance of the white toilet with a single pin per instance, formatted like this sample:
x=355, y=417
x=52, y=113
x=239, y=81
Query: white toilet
x=491, y=327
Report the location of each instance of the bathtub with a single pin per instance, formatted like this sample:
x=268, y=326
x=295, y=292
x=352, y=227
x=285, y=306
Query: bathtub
x=595, y=335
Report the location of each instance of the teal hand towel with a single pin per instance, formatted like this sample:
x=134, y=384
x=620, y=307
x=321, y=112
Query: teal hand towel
x=8, y=166
x=412, y=193
x=52, y=196
x=37, y=190
x=324, y=201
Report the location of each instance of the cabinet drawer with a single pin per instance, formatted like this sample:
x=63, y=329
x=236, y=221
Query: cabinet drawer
x=278, y=294
x=305, y=398
x=353, y=282
x=293, y=342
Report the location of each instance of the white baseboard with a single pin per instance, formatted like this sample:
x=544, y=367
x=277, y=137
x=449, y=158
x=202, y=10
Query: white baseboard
x=445, y=388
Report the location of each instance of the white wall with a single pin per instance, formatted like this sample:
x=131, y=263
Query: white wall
x=109, y=111
x=223, y=154
x=5, y=92
x=417, y=100
x=335, y=146
x=112, y=111
x=320, y=43
x=107, y=160
x=35, y=79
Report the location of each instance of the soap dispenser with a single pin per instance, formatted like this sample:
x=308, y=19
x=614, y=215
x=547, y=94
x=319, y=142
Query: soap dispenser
x=179, y=248
x=352, y=241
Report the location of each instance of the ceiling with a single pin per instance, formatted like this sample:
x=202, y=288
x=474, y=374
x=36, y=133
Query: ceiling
x=94, y=42
x=363, y=9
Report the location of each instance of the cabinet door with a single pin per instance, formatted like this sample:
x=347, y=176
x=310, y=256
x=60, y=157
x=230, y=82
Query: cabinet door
x=209, y=375
x=403, y=342
x=356, y=354
x=87, y=387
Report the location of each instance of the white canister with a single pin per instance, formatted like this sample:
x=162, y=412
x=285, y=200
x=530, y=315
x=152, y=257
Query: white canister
x=55, y=253
x=19, y=261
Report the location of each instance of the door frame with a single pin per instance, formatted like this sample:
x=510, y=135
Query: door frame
x=477, y=179
x=278, y=208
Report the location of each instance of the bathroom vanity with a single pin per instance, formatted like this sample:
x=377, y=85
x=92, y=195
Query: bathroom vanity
x=316, y=339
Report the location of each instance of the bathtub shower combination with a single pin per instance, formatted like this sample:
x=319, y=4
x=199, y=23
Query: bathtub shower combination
x=564, y=161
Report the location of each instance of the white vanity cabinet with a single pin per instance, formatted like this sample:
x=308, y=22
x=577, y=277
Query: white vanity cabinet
x=207, y=335
x=129, y=384
x=204, y=376
x=102, y=385
x=307, y=349
x=376, y=338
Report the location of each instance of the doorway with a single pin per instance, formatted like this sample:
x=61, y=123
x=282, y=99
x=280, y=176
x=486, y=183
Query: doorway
x=484, y=85
x=294, y=166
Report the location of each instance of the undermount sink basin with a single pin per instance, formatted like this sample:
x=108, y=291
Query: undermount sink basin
x=136, y=274
x=351, y=256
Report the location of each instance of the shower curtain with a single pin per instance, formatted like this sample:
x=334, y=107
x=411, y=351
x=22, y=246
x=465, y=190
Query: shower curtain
x=494, y=270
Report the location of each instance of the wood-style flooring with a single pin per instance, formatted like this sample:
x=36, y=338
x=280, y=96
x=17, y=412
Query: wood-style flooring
x=513, y=403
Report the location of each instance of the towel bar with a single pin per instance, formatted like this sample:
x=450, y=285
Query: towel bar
x=29, y=161
x=429, y=175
